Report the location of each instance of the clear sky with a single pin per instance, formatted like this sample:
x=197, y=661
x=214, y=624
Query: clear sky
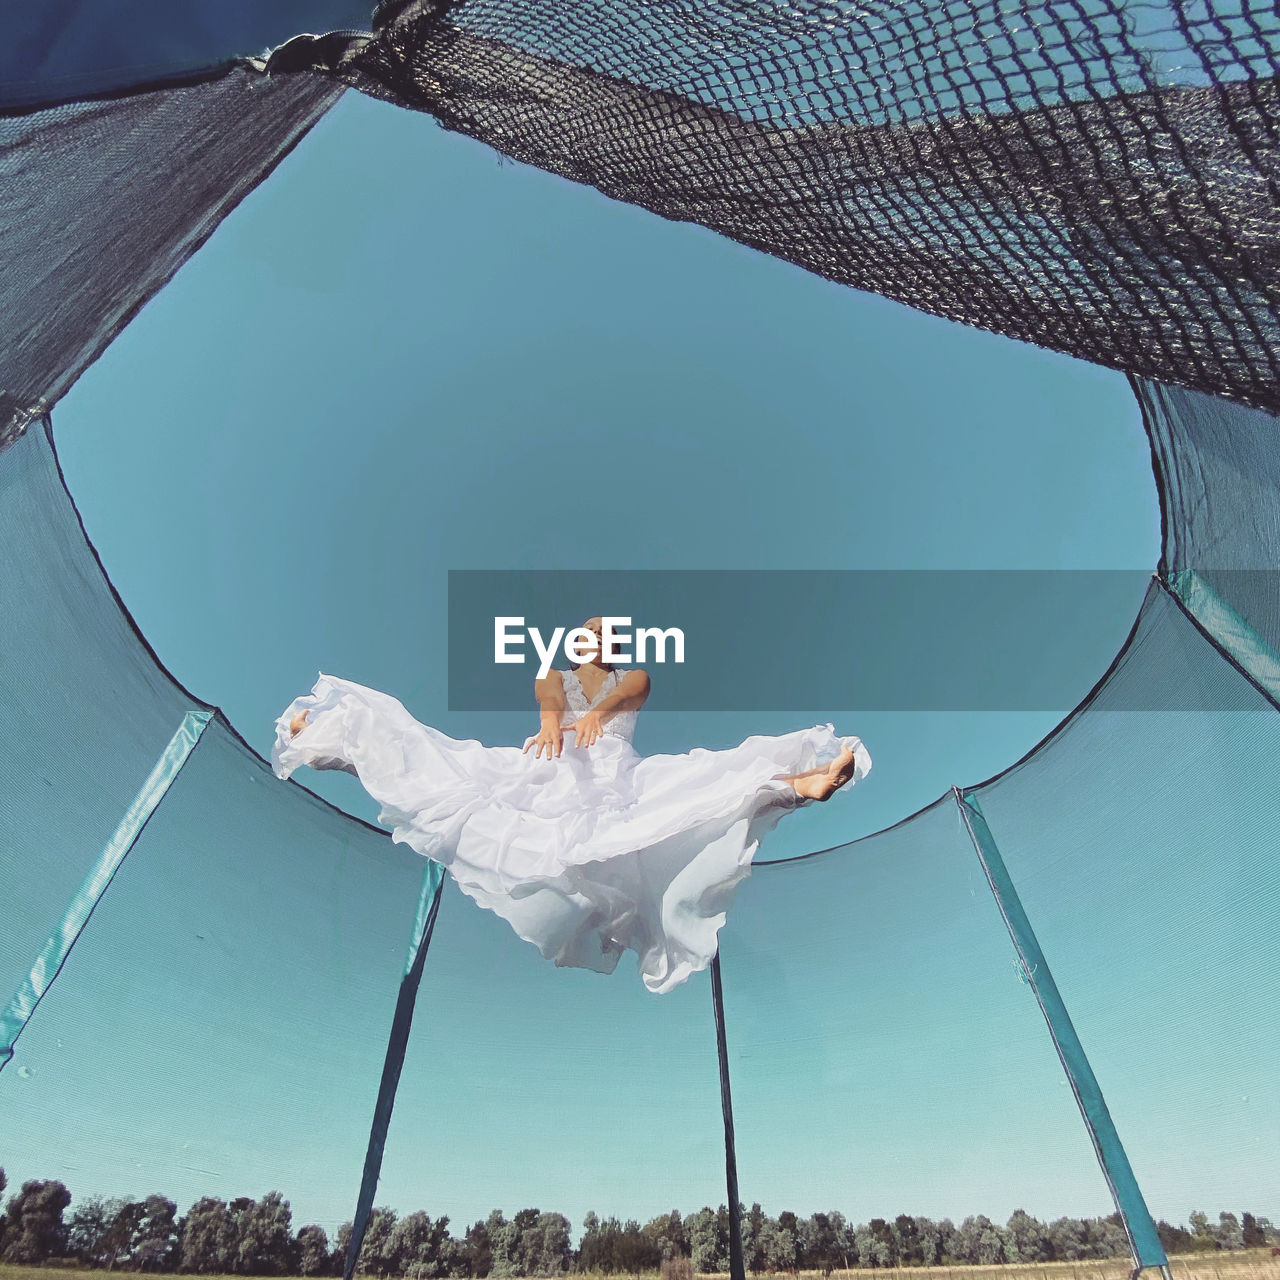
x=402, y=356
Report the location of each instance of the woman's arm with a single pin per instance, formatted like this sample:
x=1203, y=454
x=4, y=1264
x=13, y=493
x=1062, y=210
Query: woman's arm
x=627, y=695
x=551, y=708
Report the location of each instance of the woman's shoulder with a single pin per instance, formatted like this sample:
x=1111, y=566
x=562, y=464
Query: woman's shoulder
x=553, y=677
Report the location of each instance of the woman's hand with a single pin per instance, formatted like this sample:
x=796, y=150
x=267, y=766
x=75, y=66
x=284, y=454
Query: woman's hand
x=549, y=736
x=589, y=729
x=549, y=692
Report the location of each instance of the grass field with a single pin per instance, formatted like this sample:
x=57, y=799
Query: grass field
x=1250, y=1264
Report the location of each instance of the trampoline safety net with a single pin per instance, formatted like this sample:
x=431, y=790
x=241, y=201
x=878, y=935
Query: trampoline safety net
x=1064, y=975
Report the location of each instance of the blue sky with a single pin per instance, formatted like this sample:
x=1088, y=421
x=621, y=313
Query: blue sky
x=401, y=356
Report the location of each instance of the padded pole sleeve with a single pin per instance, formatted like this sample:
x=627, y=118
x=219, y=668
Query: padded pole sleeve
x=1144, y=1240
x=48, y=964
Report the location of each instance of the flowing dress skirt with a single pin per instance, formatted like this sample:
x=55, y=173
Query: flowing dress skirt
x=586, y=855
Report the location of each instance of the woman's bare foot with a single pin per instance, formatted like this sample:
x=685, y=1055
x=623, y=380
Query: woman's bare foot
x=823, y=783
x=297, y=724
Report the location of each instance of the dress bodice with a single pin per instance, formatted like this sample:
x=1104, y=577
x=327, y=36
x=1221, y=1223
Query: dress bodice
x=577, y=704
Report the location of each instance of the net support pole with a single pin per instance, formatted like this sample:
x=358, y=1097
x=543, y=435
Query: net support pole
x=737, y=1271
x=53, y=955
x=1227, y=631
x=1144, y=1240
x=424, y=924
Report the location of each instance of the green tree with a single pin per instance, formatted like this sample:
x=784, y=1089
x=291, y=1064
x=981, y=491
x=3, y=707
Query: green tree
x=264, y=1245
x=454, y=1256
x=1027, y=1239
x=311, y=1250
x=946, y=1239
x=477, y=1250
x=753, y=1221
x=668, y=1235
x=88, y=1227
x=1109, y=1237
x=1229, y=1233
x=423, y=1249
x=637, y=1251
x=883, y=1233
x=929, y=1233
x=504, y=1241
x=777, y=1246
x=908, y=1249
x=708, y=1231
x=118, y=1241
x=410, y=1243
x=1069, y=1238
x=790, y=1224
x=33, y=1226
x=823, y=1242
x=240, y=1210
x=872, y=1251
x=1203, y=1235
x=594, y=1245
x=154, y=1244
x=980, y=1242
x=376, y=1253
x=341, y=1243
x=545, y=1246
x=1174, y=1239
x=208, y=1241
x=610, y=1246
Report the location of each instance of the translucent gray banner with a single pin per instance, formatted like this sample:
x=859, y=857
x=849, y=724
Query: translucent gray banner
x=826, y=641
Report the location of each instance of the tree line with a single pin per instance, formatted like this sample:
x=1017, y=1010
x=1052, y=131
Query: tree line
x=251, y=1237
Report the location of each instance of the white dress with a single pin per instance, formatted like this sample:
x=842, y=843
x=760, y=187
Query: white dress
x=585, y=855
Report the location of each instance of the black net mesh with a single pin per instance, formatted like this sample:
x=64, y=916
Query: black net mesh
x=1088, y=175
x=104, y=201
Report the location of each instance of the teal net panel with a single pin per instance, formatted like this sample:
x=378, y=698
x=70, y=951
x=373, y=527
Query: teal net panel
x=887, y=1056
x=228, y=1007
x=1143, y=845
x=1219, y=472
x=87, y=709
x=267, y=928
x=528, y=1086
